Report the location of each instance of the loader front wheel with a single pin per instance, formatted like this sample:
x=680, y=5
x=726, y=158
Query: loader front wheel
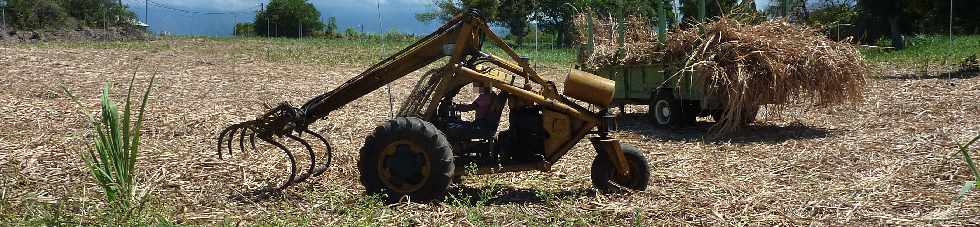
x=606, y=179
x=406, y=158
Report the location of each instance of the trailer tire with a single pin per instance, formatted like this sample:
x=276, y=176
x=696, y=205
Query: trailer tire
x=667, y=112
x=406, y=158
x=604, y=172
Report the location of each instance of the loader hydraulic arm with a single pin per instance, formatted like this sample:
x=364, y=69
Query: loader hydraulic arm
x=420, y=54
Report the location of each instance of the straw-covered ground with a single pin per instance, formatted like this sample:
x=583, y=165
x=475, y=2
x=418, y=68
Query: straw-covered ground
x=891, y=159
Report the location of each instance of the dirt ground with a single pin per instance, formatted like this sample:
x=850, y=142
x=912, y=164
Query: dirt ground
x=889, y=160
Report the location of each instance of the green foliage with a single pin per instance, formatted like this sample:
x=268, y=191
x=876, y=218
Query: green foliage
x=112, y=161
x=244, y=29
x=93, y=13
x=34, y=14
x=395, y=35
x=830, y=12
x=969, y=185
x=444, y=10
x=38, y=14
x=288, y=18
x=331, y=28
x=931, y=49
x=902, y=17
x=712, y=8
x=970, y=64
x=513, y=14
x=351, y=33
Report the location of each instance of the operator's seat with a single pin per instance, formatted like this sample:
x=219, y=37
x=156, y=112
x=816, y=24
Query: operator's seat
x=488, y=126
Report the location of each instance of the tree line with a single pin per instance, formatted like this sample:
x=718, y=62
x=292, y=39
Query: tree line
x=65, y=14
x=869, y=20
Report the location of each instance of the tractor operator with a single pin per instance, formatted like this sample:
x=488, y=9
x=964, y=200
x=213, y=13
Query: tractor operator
x=481, y=105
x=482, y=102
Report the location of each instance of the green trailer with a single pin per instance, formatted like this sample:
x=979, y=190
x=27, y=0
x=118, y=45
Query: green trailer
x=675, y=96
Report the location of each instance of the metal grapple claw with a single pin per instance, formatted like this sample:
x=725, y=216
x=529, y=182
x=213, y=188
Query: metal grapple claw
x=276, y=127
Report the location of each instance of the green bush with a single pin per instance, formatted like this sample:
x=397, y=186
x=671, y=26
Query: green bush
x=40, y=14
x=33, y=14
x=244, y=29
x=288, y=18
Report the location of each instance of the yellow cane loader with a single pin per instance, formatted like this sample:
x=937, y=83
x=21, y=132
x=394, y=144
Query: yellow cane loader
x=418, y=153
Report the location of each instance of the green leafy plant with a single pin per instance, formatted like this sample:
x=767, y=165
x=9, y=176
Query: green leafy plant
x=112, y=160
x=970, y=64
x=969, y=185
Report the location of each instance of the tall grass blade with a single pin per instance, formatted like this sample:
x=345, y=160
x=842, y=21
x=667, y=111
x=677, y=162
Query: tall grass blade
x=112, y=159
x=969, y=185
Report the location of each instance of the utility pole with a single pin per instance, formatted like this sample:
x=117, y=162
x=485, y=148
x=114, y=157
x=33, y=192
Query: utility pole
x=702, y=10
x=105, y=21
x=381, y=55
x=381, y=32
x=786, y=8
x=146, y=13
x=267, y=24
x=534, y=16
x=949, y=54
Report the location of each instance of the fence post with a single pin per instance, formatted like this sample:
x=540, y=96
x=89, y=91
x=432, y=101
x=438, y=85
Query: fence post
x=3, y=12
x=105, y=21
x=662, y=17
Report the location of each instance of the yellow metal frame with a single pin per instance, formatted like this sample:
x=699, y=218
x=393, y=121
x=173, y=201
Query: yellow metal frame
x=465, y=33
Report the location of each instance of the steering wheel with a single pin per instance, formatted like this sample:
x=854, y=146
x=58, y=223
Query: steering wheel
x=447, y=109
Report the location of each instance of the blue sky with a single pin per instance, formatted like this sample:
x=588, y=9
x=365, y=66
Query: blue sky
x=397, y=14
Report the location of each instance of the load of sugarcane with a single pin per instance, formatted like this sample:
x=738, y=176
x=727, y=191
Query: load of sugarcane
x=746, y=65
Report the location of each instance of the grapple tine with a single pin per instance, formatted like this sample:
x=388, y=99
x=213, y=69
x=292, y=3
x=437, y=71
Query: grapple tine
x=292, y=162
x=309, y=149
x=280, y=123
x=231, y=138
x=241, y=140
x=329, y=152
x=251, y=138
x=221, y=138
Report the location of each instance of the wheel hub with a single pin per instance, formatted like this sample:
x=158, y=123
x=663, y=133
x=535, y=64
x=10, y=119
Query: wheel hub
x=663, y=112
x=403, y=167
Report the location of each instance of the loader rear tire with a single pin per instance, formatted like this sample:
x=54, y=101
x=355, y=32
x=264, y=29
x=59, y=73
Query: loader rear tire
x=406, y=158
x=605, y=178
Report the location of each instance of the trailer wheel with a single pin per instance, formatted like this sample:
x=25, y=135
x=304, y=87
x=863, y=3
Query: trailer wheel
x=666, y=111
x=605, y=178
x=406, y=157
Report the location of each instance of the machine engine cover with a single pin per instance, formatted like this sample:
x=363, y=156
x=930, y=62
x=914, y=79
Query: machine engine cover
x=589, y=88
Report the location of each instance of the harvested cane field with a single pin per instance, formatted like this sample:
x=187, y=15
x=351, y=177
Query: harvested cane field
x=891, y=159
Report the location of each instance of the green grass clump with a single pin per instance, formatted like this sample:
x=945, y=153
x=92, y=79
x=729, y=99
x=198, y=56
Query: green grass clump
x=112, y=160
x=924, y=50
